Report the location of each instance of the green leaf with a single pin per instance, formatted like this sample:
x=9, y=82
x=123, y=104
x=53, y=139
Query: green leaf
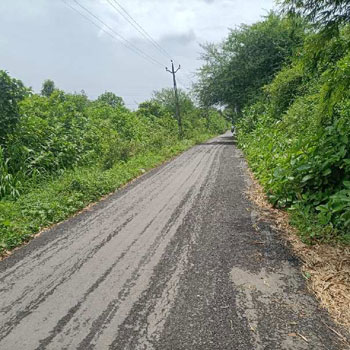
x=304, y=167
x=346, y=184
x=307, y=178
x=327, y=172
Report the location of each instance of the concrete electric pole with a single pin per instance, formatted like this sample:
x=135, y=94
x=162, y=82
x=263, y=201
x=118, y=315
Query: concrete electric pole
x=177, y=106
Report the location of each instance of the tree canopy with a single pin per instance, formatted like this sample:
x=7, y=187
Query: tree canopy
x=48, y=88
x=166, y=98
x=325, y=13
x=235, y=71
x=110, y=99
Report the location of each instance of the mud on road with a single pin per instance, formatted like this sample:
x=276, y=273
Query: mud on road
x=175, y=260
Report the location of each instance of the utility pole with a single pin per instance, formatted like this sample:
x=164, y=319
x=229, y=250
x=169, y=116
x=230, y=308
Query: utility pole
x=177, y=106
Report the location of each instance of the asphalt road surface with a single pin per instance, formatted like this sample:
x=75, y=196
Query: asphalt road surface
x=175, y=260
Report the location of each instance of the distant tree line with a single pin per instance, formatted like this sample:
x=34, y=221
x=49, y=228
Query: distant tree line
x=44, y=134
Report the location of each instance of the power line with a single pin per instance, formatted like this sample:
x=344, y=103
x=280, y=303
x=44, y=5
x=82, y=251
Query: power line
x=136, y=26
x=189, y=76
x=181, y=84
x=130, y=45
x=117, y=37
x=99, y=27
x=126, y=15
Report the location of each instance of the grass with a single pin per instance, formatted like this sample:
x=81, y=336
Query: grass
x=59, y=198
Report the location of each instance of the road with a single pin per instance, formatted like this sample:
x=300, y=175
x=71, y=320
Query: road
x=175, y=260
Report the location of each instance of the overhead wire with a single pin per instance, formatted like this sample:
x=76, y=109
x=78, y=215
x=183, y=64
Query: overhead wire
x=190, y=76
x=181, y=84
x=128, y=43
x=126, y=15
x=119, y=38
x=116, y=36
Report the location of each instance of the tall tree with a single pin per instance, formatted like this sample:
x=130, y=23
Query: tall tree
x=48, y=88
x=152, y=109
x=235, y=71
x=166, y=98
x=111, y=99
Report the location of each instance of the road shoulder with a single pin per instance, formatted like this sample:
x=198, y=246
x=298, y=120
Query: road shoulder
x=325, y=267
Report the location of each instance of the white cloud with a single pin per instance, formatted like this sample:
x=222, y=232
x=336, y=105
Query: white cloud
x=42, y=39
x=209, y=20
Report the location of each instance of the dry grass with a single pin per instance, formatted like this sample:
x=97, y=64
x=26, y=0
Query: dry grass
x=326, y=267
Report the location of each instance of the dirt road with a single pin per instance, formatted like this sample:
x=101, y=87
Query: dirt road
x=175, y=260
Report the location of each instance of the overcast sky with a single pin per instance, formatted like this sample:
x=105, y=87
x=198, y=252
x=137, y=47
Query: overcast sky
x=45, y=39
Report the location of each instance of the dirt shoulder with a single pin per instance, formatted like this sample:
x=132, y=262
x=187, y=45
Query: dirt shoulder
x=325, y=267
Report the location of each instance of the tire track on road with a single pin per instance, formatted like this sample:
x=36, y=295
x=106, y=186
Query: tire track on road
x=44, y=290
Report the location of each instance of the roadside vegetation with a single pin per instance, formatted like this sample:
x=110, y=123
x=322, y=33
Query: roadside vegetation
x=285, y=82
x=59, y=151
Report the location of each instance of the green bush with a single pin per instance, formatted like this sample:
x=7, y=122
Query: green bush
x=12, y=91
x=64, y=151
x=297, y=140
